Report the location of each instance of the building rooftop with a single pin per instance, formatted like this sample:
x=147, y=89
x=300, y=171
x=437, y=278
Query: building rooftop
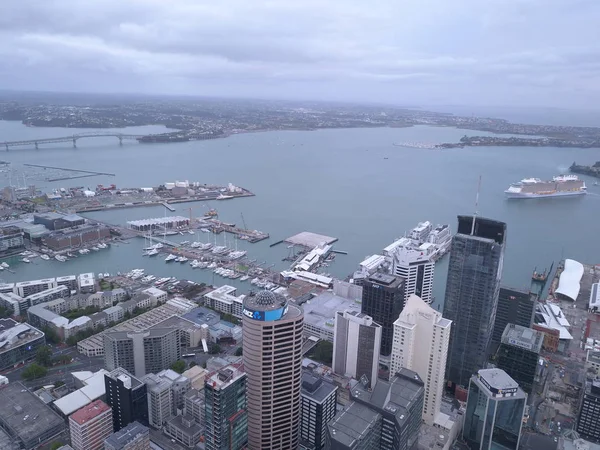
x=35, y=282
x=308, y=239
x=570, y=279
x=89, y=412
x=268, y=306
x=225, y=376
x=523, y=337
x=497, y=381
x=125, y=435
x=93, y=389
x=14, y=334
x=186, y=425
x=113, y=309
x=178, y=322
x=24, y=414
x=353, y=424
x=151, y=333
x=320, y=311
x=385, y=280
x=129, y=380
x=595, y=297
x=316, y=387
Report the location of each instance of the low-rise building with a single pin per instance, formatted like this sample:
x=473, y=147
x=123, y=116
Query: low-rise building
x=18, y=342
x=223, y=299
x=593, y=361
x=10, y=300
x=90, y=426
x=55, y=221
x=191, y=333
x=194, y=406
x=75, y=237
x=184, y=430
x=114, y=314
x=159, y=295
x=319, y=314
x=11, y=239
x=99, y=320
x=27, y=288
x=90, y=388
x=134, y=436
x=86, y=283
x=26, y=419
x=47, y=295
x=196, y=375
x=70, y=281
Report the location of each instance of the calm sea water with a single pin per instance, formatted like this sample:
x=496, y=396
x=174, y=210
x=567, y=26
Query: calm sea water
x=352, y=184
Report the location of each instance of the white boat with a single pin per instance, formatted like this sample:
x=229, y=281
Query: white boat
x=184, y=242
x=60, y=258
x=244, y=278
x=102, y=245
x=25, y=260
x=559, y=186
x=254, y=281
x=183, y=259
x=237, y=254
x=45, y=257
x=205, y=230
x=170, y=258
x=212, y=265
x=191, y=232
x=195, y=244
x=4, y=265
x=152, y=252
x=95, y=248
x=206, y=246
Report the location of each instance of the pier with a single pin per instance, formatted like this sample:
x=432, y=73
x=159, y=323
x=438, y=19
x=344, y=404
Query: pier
x=66, y=169
x=169, y=207
x=251, y=236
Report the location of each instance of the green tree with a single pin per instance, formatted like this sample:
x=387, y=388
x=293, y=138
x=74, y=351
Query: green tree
x=58, y=384
x=34, y=371
x=178, y=366
x=51, y=335
x=238, y=351
x=214, y=349
x=43, y=355
x=55, y=446
x=6, y=312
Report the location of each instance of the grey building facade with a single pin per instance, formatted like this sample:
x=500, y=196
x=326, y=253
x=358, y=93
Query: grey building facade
x=383, y=300
x=142, y=352
x=318, y=406
x=514, y=306
x=472, y=290
x=494, y=415
x=391, y=420
x=134, y=436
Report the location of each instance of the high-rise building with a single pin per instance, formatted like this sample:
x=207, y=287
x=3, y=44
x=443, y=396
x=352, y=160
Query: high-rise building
x=416, y=265
x=514, y=306
x=127, y=396
x=142, y=352
x=134, y=436
x=319, y=399
x=519, y=354
x=272, y=355
x=160, y=401
x=588, y=425
x=356, y=346
x=421, y=338
x=383, y=300
x=495, y=409
x=472, y=288
x=226, y=415
x=387, y=417
x=90, y=425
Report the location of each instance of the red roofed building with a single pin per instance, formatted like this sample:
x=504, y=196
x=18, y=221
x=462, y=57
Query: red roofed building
x=90, y=425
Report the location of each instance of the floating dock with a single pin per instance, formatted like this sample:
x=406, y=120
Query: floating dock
x=252, y=236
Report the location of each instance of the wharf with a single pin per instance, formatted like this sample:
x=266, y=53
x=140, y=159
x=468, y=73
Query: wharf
x=169, y=207
x=251, y=236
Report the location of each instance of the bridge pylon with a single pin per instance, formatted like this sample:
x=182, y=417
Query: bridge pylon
x=120, y=140
x=74, y=143
x=36, y=145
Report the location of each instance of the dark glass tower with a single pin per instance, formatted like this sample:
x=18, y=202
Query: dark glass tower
x=514, y=306
x=127, y=396
x=472, y=289
x=383, y=301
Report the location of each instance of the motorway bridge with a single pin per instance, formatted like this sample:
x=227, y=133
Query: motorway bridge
x=74, y=138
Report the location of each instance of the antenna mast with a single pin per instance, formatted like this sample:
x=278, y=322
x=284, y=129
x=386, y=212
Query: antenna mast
x=476, y=213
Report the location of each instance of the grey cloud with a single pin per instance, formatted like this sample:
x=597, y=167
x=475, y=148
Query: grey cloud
x=404, y=51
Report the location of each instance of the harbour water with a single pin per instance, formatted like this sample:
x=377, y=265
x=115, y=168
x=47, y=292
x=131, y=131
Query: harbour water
x=353, y=184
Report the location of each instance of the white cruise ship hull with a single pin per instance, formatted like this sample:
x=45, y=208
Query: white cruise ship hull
x=510, y=194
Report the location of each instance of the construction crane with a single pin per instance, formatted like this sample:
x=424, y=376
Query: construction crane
x=243, y=221
x=190, y=210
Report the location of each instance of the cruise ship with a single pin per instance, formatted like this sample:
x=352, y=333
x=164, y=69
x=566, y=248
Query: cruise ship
x=560, y=186
x=438, y=238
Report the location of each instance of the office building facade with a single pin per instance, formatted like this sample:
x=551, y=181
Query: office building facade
x=318, y=406
x=18, y=342
x=383, y=300
x=588, y=424
x=142, y=352
x=519, y=354
x=127, y=396
x=421, y=337
x=514, y=306
x=356, y=346
x=494, y=415
x=160, y=401
x=416, y=266
x=134, y=436
x=90, y=426
x=472, y=289
x=226, y=410
x=272, y=355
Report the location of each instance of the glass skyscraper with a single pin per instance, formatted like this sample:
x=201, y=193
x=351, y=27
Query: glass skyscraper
x=472, y=289
x=495, y=409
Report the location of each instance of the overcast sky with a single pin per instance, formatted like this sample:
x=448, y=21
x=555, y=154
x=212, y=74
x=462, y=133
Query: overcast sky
x=411, y=52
